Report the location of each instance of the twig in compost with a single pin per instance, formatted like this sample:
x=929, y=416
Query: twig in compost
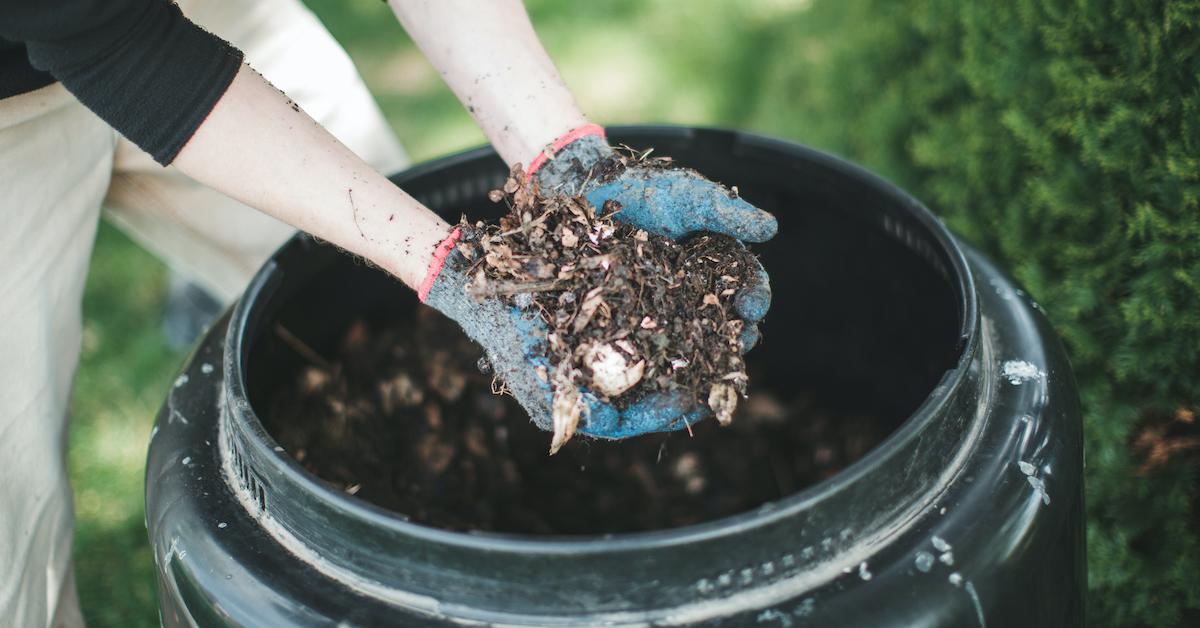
x=301, y=348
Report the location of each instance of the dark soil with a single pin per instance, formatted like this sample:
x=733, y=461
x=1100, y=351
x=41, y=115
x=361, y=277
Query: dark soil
x=628, y=313
x=403, y=418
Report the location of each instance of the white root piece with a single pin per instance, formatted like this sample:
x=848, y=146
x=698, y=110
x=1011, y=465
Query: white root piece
x=723, y=400
x=565, y=408
x=611, y=371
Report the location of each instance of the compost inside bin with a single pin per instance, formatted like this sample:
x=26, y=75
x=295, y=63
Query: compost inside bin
x=403, y=418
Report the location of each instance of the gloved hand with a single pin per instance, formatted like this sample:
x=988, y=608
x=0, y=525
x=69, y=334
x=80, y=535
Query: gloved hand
x=672, y=203
x=511, y=335
x=669, y=202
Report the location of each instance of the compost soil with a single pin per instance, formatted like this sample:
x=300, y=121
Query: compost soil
x=627, y=313
x=403, y=417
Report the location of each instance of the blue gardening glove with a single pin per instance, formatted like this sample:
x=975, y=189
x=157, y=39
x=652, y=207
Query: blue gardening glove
x=669, y=202
x=511, y=335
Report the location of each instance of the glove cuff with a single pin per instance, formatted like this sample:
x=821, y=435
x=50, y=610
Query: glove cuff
x=435, y=265
x=550, y=150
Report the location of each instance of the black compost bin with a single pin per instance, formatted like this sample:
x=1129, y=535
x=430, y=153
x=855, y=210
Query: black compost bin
x=969, y=510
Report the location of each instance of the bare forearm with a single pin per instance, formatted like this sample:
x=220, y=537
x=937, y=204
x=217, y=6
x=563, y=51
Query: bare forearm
x=490, y=57
x=258, y=147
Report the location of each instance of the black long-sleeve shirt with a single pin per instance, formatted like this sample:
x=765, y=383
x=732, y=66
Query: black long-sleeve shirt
x=139, y=64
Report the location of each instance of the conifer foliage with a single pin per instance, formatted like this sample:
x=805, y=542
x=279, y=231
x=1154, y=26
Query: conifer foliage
x=1063, y=137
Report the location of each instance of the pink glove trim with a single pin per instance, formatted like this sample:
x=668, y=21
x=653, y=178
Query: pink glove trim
x=436, y=264
x=559, y=144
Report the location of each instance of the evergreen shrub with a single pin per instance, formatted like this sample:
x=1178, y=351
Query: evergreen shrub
x=1062, y=137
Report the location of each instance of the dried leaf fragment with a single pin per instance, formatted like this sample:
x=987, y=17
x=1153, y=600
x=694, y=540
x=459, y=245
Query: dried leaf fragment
x=500, y=257
x=569, y=239
x=399, y=391
x=565, y=408
x=314, y=379
x=540, y=268
x=588, y=308
x=596, y=261
x=736, y=377
x=436, y=453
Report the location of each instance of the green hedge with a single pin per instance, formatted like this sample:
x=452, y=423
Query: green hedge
x=1064, y=138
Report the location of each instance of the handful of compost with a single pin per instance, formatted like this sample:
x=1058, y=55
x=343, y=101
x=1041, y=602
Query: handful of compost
x=599, y=326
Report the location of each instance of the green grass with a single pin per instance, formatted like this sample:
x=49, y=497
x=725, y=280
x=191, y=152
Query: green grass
x=124, y=369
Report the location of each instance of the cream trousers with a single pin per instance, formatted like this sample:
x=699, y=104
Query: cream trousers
x=59, y=165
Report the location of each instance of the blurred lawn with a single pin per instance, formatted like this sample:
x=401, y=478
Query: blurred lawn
x=626, y=61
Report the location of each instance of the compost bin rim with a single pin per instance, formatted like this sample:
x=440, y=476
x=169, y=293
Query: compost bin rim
x=236, y=397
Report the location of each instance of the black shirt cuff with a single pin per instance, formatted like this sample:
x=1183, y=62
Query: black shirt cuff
x=151, y=73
